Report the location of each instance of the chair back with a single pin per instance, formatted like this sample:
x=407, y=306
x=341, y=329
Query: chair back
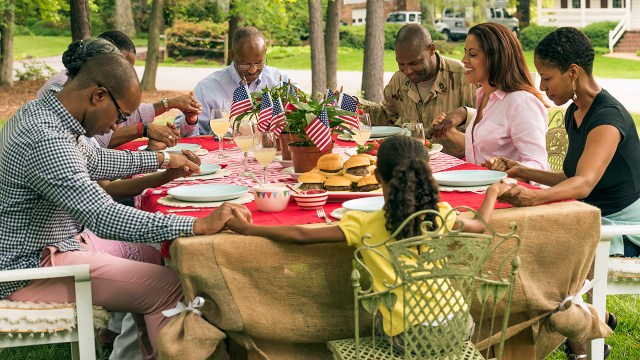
x=557, y=141
x=440, y=275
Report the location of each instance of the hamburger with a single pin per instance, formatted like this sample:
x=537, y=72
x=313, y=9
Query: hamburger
x=368, y=183
x=337, y=183
x=372, y=159
x=311, y=180
x=356, y=168
x=330, y=164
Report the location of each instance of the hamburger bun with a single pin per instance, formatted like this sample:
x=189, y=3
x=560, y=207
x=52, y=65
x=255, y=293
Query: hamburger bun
x=337, y=183
x=368, y=183
x=330, y=164
x=372, y=159
x=356, y=167
x=311, y=180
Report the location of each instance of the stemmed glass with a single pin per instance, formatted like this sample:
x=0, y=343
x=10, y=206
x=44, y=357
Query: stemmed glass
x=361, y=132
x=220, y=123
x=265, y=150
x=244, y=136
x=415, y=130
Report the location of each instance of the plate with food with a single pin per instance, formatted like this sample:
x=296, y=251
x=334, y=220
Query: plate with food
x=340, y=188
x=468, y=177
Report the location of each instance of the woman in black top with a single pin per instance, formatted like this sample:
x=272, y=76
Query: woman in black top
x=602, y=166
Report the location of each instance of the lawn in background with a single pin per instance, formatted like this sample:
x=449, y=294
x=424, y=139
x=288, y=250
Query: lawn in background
x=31, y=46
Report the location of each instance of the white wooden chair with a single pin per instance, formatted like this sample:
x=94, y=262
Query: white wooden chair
x=23, y=324
x=613, y=276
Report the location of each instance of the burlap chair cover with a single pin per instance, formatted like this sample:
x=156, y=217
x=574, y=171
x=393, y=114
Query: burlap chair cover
x=578, y=325
x=281, y=301
x=190, y=337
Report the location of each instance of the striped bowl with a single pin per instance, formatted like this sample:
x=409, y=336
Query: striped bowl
x=311, y=199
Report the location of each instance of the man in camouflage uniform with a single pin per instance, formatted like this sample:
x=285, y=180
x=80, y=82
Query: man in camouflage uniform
x=426, y=85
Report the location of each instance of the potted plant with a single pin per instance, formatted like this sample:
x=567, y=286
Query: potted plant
x=300, y=111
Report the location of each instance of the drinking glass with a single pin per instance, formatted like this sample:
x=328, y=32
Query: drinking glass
x=265, y=150
x=244, y=136
x=219, y=125
x=415, y=130
x=361, y=131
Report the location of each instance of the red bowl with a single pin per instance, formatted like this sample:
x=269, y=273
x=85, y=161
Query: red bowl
x=311, y=199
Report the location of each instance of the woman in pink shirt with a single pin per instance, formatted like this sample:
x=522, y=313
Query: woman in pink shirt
x=511, y=116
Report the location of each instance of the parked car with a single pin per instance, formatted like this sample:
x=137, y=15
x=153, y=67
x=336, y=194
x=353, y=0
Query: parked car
x=454, y=22
x=404, y=17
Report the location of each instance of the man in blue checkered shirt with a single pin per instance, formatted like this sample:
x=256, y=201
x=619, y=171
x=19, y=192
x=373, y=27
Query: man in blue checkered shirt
x=48, y=195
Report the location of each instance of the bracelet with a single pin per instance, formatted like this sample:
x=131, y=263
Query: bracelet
x=139, y=130
x=144, y=130
x=165, y=102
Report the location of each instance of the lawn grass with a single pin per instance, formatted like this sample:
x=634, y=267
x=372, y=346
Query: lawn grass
x=349, y=59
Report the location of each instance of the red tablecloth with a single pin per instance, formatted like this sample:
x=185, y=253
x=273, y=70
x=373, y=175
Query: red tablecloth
x=292, y=214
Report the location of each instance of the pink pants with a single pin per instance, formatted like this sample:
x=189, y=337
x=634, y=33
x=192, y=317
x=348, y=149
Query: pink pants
x=118, y=284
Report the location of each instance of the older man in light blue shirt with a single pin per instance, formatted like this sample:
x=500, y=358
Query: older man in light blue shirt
x=248, y=52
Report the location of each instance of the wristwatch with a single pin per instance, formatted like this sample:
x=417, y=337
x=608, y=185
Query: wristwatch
x=165, y=162
x=165, y=102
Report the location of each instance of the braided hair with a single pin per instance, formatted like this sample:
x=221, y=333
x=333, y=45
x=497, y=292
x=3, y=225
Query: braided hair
x=80, y=51
x=403, y=163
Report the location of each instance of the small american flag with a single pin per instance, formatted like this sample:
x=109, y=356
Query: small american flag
x=266, y=112
x=319, y=131
x=293, y=92
x=328, y=94
x=278, y=120
x=241, y=102
x=348, y=103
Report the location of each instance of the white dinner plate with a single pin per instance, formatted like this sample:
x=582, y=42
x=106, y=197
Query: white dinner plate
x=384, y=131
x=285, y=163
x=208, y=169
x=366, y=204
x=179, y=147
x=435, y=149
x=468, y=177
x=207, y=192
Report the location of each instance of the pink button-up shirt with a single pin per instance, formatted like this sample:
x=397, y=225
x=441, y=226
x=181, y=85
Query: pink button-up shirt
x=513, y=125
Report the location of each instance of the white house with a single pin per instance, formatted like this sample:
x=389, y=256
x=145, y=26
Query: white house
x=579, y=13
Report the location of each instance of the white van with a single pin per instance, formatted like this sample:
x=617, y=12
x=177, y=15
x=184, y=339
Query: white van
x=404, y=17
x=454, y=22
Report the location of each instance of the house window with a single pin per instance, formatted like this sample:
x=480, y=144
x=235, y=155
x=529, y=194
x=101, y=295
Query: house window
x=618, y=4
x=412, y=17
x=575, y=4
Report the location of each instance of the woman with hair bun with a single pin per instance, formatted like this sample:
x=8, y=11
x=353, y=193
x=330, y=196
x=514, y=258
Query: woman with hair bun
x=407, y=185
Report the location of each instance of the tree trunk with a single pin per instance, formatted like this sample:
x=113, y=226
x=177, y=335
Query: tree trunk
x=153, y=47
x=6, y=45
x=124, y=18
x=318, y=67
x=373, y=67
x=234, y=23
x=331, y=42
x=80, y=23
x=426, y=9
x=524, y=14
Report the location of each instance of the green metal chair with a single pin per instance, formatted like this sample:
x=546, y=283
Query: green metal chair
x=557, y=141
x=439, y=277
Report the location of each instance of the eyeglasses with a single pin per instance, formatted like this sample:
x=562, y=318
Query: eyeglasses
x=246, y=67
x=121, y=116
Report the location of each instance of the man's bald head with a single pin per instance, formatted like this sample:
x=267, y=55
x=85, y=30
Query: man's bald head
x=248, y=35
x=413, y=35
x=111, y=70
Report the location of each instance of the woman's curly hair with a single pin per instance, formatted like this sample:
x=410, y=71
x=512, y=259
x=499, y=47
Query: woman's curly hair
x=566, y=46
x=80, y=51
x=403, y=163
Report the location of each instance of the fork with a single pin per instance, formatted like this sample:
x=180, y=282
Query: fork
x=323, y=215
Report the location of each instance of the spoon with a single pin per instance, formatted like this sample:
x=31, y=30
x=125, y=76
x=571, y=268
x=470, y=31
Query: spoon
x=293, y=189
x=255, y=178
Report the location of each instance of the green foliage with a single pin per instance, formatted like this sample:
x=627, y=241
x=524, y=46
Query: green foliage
x=34, y=70
x=283, y=52
x=599, y=50
x=170, y=61
x=283, y=22
x=204, y=38
x=192, y=11
x=353, y=36
x=533, y=34
x=599, y=32
x=638, y=53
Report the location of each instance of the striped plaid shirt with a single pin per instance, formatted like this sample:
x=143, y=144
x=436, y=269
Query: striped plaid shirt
x=48, y=190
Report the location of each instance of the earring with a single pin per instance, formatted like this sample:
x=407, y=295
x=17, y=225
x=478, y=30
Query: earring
x=573, y=84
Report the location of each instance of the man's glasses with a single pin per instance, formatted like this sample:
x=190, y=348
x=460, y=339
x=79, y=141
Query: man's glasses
x=246, y=67
x=121, y=117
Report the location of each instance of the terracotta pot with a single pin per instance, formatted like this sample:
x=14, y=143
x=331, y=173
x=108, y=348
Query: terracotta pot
x=305, y=158
x=283, y=141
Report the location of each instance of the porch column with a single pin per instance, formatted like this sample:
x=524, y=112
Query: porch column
x=539, y=12
x=583, y=12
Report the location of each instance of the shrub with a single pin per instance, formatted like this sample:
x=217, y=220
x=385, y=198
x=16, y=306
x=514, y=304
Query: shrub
x=34, y=70
x=638, y=53
x=280, y=52
x=353, y=36
x=532, y=35
x=170, y=61
x=598, y=32
x=599, y=50
x=204, y=38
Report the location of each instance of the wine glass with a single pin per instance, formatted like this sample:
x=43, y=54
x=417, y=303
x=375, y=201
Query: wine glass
x=244, y=136
x=219, y=125
x=361, y=131
x=415, y=130
x=265, y=150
